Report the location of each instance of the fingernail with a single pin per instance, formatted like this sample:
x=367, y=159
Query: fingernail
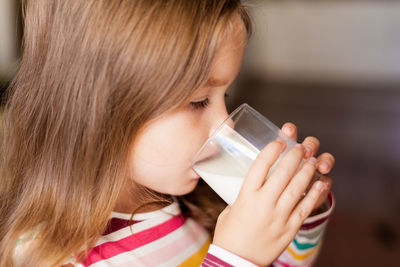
x=319, y=186
x=313, y=160
x=325, y=165
x=308, y=151
x=326, y=185
x=288, y=129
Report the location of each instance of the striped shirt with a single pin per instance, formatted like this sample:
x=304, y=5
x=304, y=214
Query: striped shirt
x=166, y=238
x=159, y=238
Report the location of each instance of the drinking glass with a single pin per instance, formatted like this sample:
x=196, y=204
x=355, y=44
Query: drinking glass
x=225, y=158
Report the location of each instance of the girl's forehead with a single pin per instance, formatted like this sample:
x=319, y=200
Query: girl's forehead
x=228, y=58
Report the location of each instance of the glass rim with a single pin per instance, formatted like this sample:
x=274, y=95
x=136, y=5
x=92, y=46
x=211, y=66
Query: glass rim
x=218, y=129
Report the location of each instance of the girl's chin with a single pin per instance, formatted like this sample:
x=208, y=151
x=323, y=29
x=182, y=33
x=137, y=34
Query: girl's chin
x=187, y=189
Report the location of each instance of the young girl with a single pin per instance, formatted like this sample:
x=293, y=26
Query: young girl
x=112, y=100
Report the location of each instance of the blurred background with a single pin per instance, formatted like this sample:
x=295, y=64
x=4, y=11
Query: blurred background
x=332, y=67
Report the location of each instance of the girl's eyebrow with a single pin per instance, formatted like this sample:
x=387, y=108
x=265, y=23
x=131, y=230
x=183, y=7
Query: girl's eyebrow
x=214, y=82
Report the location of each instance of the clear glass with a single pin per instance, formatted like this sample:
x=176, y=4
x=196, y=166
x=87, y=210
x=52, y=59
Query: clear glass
x=225, y=158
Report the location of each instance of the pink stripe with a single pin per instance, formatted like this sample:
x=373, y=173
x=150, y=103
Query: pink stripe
x=211, y=260
x=312, y=225
x=113, y=248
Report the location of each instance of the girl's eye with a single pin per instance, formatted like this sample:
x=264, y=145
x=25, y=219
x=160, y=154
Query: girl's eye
x=202, y=104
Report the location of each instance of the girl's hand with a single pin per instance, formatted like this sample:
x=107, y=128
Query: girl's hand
x=267, y=214
x=325, y=161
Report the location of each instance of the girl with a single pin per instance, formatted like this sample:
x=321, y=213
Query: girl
x=111, y=102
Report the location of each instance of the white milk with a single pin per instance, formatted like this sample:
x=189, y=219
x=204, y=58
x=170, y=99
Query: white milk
x=225, y=172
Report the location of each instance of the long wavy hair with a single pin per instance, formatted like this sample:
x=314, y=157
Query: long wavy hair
x=92, y=73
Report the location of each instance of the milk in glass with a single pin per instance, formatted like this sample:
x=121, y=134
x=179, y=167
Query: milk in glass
x=225, y=171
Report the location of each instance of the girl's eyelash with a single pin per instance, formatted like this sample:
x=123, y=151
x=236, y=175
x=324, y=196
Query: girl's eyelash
x=202, y=104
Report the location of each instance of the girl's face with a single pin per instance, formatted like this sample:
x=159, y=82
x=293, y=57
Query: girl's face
x=165, y=148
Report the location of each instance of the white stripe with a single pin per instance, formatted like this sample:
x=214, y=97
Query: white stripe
x=212, y=262
x=119, y=260
x=229, y=257
x=305, y=239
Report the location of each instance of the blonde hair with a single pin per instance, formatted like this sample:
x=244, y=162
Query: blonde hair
x=92, y=73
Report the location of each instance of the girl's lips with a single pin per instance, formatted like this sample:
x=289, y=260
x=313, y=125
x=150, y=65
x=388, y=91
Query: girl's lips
x=195, y=174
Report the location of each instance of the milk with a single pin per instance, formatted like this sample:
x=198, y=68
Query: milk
x=225, y=172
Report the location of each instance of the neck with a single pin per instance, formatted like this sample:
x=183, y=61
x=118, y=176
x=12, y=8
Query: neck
x=133, y=200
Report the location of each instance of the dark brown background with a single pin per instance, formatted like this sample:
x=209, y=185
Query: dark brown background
x=360, y=126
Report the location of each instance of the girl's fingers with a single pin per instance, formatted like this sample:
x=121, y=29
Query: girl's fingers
x=282, y=174
x=306, y=205
x=327, y=181
x=296, y=187
x=311, y=145
x=325, y=163
x=255, y=177
x=290, y=130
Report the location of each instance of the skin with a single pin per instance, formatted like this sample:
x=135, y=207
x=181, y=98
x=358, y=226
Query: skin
x=161, y=158
x=163, y=152
x=269, y=207
x=325, y=161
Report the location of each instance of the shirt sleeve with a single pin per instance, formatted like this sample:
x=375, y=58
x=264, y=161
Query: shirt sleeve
x=304, y=249
x=219, y=257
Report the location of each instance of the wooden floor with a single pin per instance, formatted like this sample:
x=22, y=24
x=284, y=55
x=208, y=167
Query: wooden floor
x=360, y=126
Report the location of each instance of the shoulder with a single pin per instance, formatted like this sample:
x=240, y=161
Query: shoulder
x=23, y=243
x=26, y=240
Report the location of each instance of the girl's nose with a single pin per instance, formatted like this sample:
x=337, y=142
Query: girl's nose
x=218, y=118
